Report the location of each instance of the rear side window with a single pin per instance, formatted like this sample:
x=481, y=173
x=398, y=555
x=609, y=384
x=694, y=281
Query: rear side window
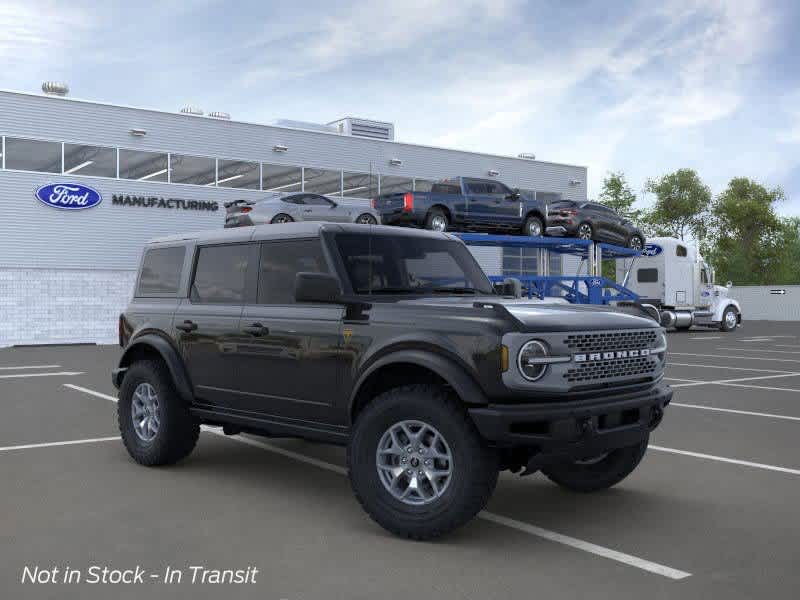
x=477, y=188
x=161, y=272
x=280, y=264
x=219, y=277
x=445, y=188
x=647, y=275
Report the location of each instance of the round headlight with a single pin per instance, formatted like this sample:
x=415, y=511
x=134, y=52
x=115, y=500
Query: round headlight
x=528, y=360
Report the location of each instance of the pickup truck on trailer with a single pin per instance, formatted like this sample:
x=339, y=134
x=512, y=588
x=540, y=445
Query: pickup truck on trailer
x=463, y=204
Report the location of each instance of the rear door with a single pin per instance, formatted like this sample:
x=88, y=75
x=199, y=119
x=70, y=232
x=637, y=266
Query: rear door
x=289, y=362
x=207, y=323
x=477, y=201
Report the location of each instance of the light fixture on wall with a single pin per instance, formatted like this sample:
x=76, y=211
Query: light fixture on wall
x=280, y=148
x=396, y=162
x=527, y=155
x=575, y=182
x=138, y=132
x=493, y=173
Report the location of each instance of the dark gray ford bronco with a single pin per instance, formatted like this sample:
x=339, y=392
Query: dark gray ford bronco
x=394, y=343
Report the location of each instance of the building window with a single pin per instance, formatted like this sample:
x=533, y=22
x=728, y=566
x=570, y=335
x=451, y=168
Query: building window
x=90, y=160
x=555, y=263
x=360, y=185
x=33, y=155
x=144, y=166
x=194, y=170
x=396, y=185
x=423, y=185
x=520, y=262
x=238, y=174
x=323, y=181
x=280, y=178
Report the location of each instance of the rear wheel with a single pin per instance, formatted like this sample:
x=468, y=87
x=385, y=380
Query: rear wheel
x=635, y=242
x=585, y=231
x=281, y=218
x=417, y=464
x=366, y=219
x=599, y=472
x=533, y=227
x=154, y=421
x=437, y=220
x=730, y=319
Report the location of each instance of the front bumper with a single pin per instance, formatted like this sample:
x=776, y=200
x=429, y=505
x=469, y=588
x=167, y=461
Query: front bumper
x=573, y=430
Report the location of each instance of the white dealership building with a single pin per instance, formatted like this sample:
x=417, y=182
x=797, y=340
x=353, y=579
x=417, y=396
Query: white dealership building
x=65, y=275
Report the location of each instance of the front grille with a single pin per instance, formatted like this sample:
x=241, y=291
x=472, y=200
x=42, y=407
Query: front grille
x=608, y=369
x=606, y=341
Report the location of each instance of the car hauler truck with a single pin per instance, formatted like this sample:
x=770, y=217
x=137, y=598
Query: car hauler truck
x=672, y=276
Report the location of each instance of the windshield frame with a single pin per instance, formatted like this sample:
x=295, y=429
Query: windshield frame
x=472, y=270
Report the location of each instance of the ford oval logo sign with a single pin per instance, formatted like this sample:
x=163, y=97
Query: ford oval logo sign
x=68, y=196
x=652, y=250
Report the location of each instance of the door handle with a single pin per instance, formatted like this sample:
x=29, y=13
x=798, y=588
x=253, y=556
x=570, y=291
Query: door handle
x=256, y=329
x=187, y=326
x=307, y=210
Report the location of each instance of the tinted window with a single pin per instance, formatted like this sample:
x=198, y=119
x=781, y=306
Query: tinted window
x=161, y=272
x=497, y=188
x=680, y=251
x=238, y=174
x=445, y=188
x=144, y=166
x=279, y=178
x=316, y=200
x=197, y=170
x=280, y=264
x=33, y=155
x=379, y=264
x=219, y=275
x=424, y=185
x=476, y=188
x=647, y=275
x=90, y=160
x=323, y=181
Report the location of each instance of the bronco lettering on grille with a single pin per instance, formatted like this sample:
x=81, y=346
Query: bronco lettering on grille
x=610, y=355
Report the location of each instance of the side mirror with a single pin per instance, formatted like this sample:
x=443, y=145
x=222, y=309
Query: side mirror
x=514, y=195
x=317, y=287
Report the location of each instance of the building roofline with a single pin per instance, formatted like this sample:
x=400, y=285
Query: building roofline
x=253, y=123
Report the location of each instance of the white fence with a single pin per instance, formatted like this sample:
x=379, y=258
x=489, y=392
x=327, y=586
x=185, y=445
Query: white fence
x=768, y=302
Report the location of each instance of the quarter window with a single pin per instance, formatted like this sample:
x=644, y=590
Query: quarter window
x=280, y=264
x=33, y=155
x=219, y=277
x=161, y=272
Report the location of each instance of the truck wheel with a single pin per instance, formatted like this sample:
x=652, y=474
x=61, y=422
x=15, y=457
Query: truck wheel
x=154, y=421
x=533, y=227
x=597, y=473
x=730, y=319
x=417, y=464
x=437, y=220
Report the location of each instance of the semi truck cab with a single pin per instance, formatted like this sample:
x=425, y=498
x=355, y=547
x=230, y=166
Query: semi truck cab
x=673, y=276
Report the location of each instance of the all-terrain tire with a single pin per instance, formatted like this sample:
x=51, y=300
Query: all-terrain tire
x=594, y=476
x=177, y=431
x=474, y=465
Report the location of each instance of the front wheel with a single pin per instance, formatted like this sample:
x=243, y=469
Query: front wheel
x=730, y=319
x=599, y=472
x=366, y=219
x=417, y=464
x=533, y=227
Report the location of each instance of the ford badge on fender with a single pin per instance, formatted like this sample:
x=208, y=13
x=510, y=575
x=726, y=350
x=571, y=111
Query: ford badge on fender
x=69, y=196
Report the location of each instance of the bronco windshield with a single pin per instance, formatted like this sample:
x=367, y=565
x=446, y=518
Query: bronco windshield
x=384, y=264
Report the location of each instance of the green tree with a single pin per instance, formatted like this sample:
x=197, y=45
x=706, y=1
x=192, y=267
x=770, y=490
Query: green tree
x=681, y=207
x=749, y=240
x=618, y=195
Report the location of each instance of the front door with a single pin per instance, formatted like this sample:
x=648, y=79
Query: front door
x=504, y=207
x=207, y=323
x=320, y=208
x=289, y=365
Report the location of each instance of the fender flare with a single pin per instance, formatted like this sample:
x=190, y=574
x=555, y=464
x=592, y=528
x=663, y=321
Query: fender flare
x=168, y=354
x=723, y=305
x=454, y=374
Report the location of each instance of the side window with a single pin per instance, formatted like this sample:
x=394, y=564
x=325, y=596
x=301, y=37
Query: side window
x=703, y=276
x=497, y=188
x=219, y=276
x=161, y=272
x=680, y=251
x=316, y=200
x=295, y=199
x=474, y=187
x=647, y=275
x=280, y=264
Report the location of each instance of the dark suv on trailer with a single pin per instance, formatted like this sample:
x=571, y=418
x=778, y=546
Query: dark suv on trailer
x=392, y=342
x=593, y=221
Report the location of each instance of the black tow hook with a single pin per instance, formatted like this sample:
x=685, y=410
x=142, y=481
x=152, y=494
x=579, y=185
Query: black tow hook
x=655, y=417
x=586, y=428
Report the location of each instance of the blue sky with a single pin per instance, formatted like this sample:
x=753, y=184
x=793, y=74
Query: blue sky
x=644, y=88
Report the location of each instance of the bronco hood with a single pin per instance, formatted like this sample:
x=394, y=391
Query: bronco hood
x=538, y=315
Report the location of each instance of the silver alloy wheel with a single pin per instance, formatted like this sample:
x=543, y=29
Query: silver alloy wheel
x=534, y=228
x=366, y=220
x=730, y=319
x=282, y=219
x=585, y=231
x=145, y=412
x=438, y=223
x=414, y=462
x=636, y=243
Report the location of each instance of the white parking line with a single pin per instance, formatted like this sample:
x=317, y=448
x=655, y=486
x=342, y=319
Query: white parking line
x=763, y=350
x=736, y=412
x=694, y=382
x=733, y=461
x=553, y=536
x=674, y=364
x=762, y=387
x=706, y=337
x=51, y=444
x=30, y=367
x=21, y=375
x=792, y=360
